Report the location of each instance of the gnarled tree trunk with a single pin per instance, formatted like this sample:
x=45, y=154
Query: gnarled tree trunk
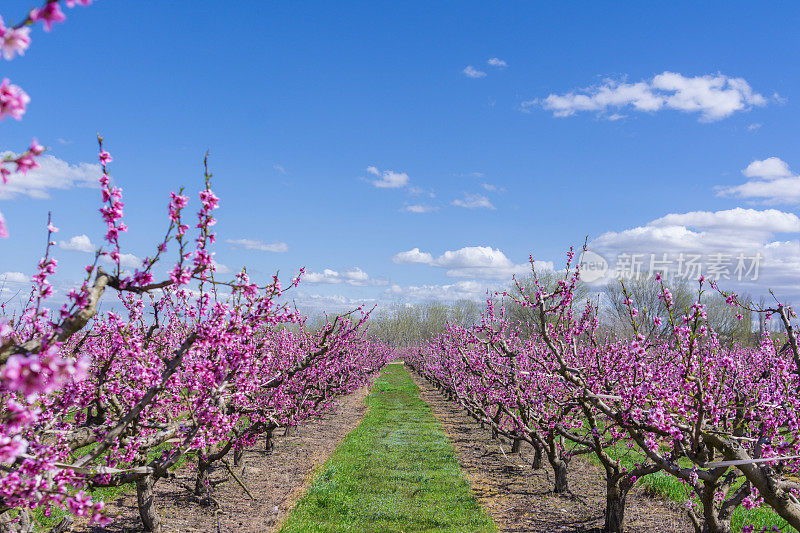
x=147, y=509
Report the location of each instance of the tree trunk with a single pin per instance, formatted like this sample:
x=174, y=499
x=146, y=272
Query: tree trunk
x=288, y=431
x=201, y=483
x=238, y=452
x=560, y=471
x=615, y=507
x=718, y=526
x=269, y=445
x=144, y=498
x=712, y=523
x=63, y=526
x=516, y=445
x=537, y=457
x=22, y=524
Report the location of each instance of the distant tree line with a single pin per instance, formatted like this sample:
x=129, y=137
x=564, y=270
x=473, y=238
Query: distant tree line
x=403, y=324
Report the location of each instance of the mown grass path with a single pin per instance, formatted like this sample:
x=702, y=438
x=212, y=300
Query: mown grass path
x=396, y=471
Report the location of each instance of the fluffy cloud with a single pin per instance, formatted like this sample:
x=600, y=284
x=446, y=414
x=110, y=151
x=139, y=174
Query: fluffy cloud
x=713, y=96
x=53, y=173
x=483, y=262
x=253, y=244
x=78, y=243
x=473, y=201
x=125, y=261
x=497, y=62
x=739, y=219
x=769, y=168
x=388, y=179
x=13, y=284
x=471, y=72
x=713, y=236
x=328, y=303
x=353, y=276
x=221, y=268
x=420, y=208
x=461, y=290
x=413, y=256
x=14, y=277
x=771, y=182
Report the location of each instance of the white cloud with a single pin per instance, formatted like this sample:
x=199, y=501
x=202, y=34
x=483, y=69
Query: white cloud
x=78, y=243
x=82, y=243
x=221, y=268
x=388, y=179
x=420, y=190
x=14, y=277
x=412, y=256
x=353, y=276
x=478, y=262
x=326, y=276
x=768, y=169
x=329, y=303
x=125, y=261
x=461, y=290
x=253, y=244
x=754, y=126
x=734, y=232
x=771, y=182
x=471, y=72
x=738, y=219
x=473, y=201
x=497, y=62
x=279, y=168
x=713, y=96
x=53, y=173
x=482, y=262
x=419, y=208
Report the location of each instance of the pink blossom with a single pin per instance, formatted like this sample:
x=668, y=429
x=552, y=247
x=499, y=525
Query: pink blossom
x=105, y=157
x=3, y=227
x=36, y=148
x=11, y=448
x=49, y=14
x=26, y=162
x=14, y=41
x=180, y=276
x=13, y=100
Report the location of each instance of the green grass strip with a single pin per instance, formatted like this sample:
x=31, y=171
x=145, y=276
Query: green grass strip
x=396, y=471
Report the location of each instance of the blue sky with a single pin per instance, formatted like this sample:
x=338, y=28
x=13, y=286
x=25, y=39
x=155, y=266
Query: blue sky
x=306, y=106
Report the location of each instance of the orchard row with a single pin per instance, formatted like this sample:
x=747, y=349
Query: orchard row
x=722, y=418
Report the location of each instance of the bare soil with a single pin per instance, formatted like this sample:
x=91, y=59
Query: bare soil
x=521, y=499
x=277, y=480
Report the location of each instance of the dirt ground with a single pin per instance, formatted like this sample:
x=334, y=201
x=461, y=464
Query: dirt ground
x=521, y=499
x=277, y=481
